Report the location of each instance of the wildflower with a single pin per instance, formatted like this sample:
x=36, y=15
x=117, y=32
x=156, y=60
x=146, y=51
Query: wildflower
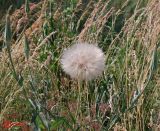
x=83, y=61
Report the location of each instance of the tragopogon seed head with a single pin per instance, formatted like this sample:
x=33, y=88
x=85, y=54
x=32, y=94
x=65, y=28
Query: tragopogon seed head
x=83, y=61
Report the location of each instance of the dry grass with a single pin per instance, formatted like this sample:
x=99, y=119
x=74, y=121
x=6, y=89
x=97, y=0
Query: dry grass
x=126, y=98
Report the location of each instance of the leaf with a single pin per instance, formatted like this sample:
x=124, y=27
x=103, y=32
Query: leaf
x=44, y=120
x=27, y=8
x=8, y=33
x=39, y=123
x=32, y=103
x=26, y=47
x=20, y=80
x=56, y=123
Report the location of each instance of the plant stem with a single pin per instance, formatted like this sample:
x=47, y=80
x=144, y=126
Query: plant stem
x=79, y=100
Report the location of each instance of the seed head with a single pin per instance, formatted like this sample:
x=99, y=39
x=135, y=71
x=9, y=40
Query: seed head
x=83, y=61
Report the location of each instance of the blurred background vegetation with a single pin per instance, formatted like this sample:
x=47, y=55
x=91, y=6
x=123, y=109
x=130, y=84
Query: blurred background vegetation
x=33, y=85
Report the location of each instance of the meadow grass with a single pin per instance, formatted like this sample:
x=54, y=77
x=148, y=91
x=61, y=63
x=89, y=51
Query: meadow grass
x=34, y=86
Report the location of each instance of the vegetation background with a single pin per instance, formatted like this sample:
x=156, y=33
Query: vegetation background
x=35, y=90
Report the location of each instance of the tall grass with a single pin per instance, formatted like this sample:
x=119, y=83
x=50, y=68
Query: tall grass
x=125, y=98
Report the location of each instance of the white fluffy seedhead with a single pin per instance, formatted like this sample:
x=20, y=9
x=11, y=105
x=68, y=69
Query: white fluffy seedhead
x=83, y=61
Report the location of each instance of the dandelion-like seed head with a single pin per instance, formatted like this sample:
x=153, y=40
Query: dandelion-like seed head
x=83, y=61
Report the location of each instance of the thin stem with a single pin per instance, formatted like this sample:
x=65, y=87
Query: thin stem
x=12, y=65
x=88, y=101
x=79, y=100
